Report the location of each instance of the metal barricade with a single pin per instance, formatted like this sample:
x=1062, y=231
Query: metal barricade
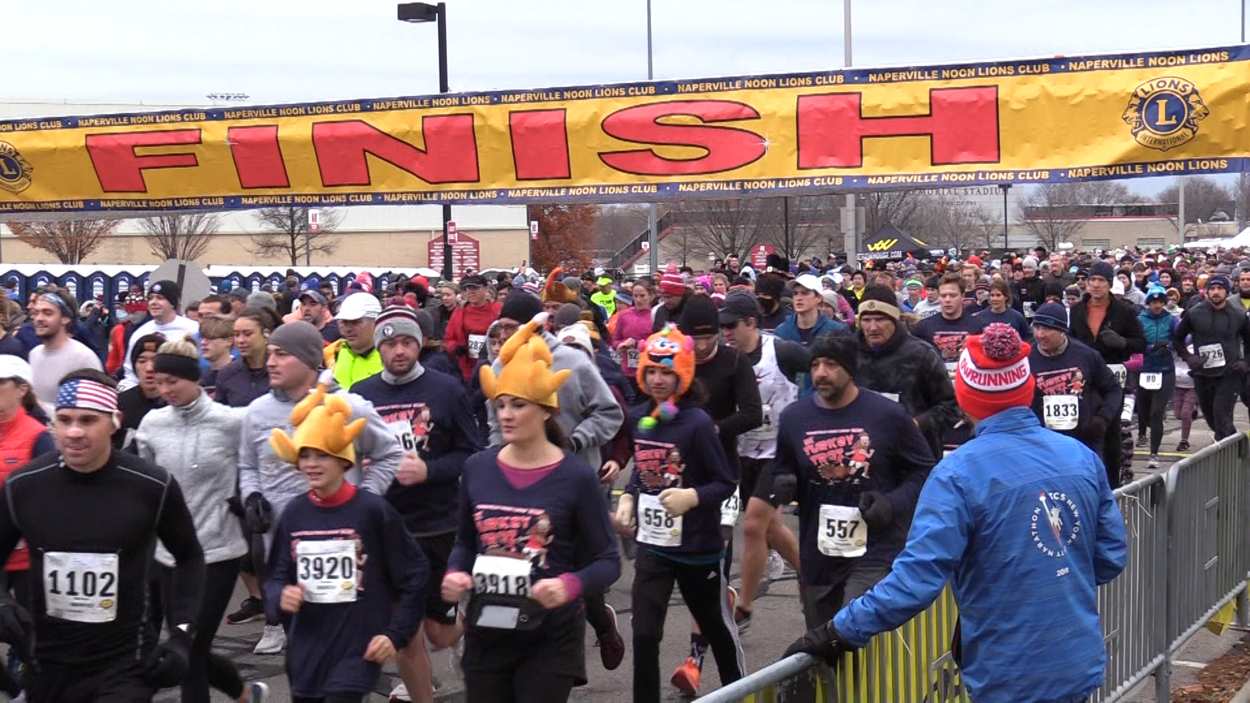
x=1188, y=557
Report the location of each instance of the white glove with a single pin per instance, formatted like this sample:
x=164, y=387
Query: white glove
x=625, y=514
x=679, y=501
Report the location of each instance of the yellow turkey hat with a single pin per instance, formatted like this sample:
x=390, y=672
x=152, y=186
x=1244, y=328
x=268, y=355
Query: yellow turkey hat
x=323, y=422
x=526, y=368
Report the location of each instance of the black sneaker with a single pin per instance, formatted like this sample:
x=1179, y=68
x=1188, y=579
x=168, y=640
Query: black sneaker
x=1182, y=446
x=1143, y=440
x=250, y=610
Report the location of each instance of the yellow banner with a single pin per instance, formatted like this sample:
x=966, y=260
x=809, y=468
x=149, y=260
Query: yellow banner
x=1026, y=121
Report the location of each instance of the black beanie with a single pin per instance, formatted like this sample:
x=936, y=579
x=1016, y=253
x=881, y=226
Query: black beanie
x=520, y=306
x=169, y=291
x=146, y=343
x=771, y=285
x=841, y=347
x=699, y=317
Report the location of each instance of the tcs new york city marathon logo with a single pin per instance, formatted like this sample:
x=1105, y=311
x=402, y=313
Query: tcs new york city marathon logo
x=14, y=170
x=1163, y=113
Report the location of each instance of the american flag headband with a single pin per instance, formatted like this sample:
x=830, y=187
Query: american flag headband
x=85, y=394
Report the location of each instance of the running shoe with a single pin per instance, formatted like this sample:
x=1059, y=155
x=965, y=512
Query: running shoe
x=399, y=694
x=776, y=565
x=272, y=641
x=612, y=646
x=259, y=691
x=1154, y=461
x=1182, y=446
x=250, y=609
x=1143, y=440
x=686, y=677
x=742, y=618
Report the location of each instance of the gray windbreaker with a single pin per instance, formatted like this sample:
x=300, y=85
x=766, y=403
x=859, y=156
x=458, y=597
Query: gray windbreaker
x=589, y=414
x=279, y=482
x=198, y=444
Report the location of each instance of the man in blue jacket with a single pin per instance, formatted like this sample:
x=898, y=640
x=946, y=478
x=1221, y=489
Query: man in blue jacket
x=1024, y=543
x=806, y=324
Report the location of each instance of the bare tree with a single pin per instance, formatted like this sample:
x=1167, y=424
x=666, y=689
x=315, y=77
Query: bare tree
x=727, y=227
x=802, y=225
x=618, y=225
x=1055, y=212
x=1204, y=197
x=955, y=222
x=908, y=210
x=288, y=236
x=181, y=236
x=70, y=241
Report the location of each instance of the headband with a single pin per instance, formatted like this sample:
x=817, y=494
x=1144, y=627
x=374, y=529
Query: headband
x=58, y=301
x=86, y=394
x=880, y=308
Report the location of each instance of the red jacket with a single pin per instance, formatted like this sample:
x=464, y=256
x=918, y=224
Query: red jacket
x=465, y=321
x=18, y=440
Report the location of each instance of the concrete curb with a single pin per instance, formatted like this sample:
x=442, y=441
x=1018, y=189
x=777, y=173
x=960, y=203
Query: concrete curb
x=1242, y=696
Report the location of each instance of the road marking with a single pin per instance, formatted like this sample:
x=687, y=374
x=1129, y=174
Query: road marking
x=1189, y=664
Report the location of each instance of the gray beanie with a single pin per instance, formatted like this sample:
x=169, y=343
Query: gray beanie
x=262, y=299
x=301, y=340
x=397, y=321
x=567, y=314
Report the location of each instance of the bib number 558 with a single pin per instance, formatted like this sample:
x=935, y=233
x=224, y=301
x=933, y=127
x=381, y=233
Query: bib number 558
x=657, y=517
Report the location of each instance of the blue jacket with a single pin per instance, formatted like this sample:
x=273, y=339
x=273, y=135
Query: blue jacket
x=1158, y=330
x=789, y=330
x=1025, y=545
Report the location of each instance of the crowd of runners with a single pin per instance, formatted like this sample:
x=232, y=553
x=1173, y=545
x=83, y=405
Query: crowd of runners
x=464, y=466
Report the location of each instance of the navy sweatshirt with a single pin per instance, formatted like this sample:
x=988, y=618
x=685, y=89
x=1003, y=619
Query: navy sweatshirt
x=560, y=524
x=431, y=416
x=326, y=641
x=1078, y=371
x=948, y=335
x=684, y=452
x=1011, y=317
x=872, y=444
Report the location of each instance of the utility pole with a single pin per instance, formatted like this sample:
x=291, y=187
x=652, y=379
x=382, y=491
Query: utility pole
x=653, y=237
x=850, y=238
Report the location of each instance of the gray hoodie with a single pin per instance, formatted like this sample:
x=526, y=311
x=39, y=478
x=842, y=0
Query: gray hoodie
x=279, y=482
x=198, y=444
x=589, y=414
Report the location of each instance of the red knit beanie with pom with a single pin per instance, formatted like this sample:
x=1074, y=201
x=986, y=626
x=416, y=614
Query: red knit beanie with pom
x=993, y=372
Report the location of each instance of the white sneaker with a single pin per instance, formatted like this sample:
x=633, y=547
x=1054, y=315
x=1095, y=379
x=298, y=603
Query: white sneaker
x=399, y=694
x=1154, y=461
x=259, y=691
x=273, y=641
x=776, y=565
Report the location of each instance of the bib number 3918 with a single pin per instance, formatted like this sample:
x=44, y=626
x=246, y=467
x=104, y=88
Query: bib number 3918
x=656, y=526
x=80, y=586
x=326, y=569
x=501, y=576
x=842, y=532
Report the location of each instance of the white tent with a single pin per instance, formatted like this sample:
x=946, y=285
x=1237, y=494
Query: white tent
x=1241, y=239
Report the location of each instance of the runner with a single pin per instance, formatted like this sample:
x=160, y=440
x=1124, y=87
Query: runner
x=197, y=442
x=948, y=330
x=216, y=341
x=343, y=569
x=1221, y=334
x=855, y=461
x=1000, y=310
x=86, y=621
x=138, y=400
x=631, y=327
x=1158, y=374
x=58, y=353
x=315, y=310
x=806, y=324
x=770, y=290
x=680, y=478
x=673, y=297
x=429, y=414
x=246, y=378
x=353, y=358
x=465, y=335
x=533, y=537
x=163, y=304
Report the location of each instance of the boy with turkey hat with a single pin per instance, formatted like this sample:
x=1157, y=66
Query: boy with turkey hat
x=1024, y=544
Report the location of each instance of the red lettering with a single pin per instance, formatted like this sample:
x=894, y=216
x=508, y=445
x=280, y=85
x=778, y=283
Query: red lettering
x=962, y=126
x=449, y=156
x=120, y=169
x=727, y=147
x=540, y=144
x=257, y=156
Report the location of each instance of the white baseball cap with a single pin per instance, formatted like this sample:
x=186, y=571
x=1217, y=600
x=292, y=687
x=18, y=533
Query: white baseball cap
x=15, y=367
x=359, y=305
x=809, y=282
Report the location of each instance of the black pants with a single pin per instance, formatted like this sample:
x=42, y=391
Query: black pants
x=528, y=684
x=332, y=698
x=703, y=590
x=205, y=668
x=119, y=681
x=1151, y=408
x=1113, y=453
x=1217, y=396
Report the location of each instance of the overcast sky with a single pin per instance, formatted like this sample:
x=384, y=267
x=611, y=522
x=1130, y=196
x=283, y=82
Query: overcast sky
x=176, y=52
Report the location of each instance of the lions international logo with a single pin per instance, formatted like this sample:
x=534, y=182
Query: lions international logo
x=14, y=170
x=1164, y=113
x=1055, y=523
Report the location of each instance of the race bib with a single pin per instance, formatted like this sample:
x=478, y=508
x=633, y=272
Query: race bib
x=326, y=570
x=501, y=576
x=1028, y=310
x=729, y=510
x=950, y=368
x=402, y=429
x=80, y=586
x=1212, y=355
x=629, y=357
x=1061, y=412
x=765, y=432
x=842, y=532
x=656, y=526
x=477, y=342
x=1130, y=402
x=1120, y=373
x=1151, y=381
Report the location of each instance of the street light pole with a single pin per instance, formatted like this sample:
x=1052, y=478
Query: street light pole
x=849, y=239
x=653, y=237
x=425, y=12
x=1004, y=187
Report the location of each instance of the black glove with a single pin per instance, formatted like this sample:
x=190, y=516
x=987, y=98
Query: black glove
x=876, y=509
x=785, y=487
x=1158, y=346
x=1096, y=429
x=1112, y=339
x=257, y=514
x=15, y=623
x=821, y=642
x=166, y=665
x=1240, y=366
x=235, y=506
x=1194, y=361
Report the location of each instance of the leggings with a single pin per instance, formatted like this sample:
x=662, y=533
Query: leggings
x=1217, y=396
x=1151, y=407
x=1184, y=400
x=332, y=698
x=703, y=590
x=205, y=668
x=528, y=684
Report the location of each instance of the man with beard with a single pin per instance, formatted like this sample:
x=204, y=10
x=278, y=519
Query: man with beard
x=1243, y=288
x=1221, y=345
x=904, y=368
x=429, y=414
x=52, y=314
x=769, y=290
x=315, y=310
x=856, y=463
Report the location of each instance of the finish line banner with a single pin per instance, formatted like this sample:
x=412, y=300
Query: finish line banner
x=1028, y=121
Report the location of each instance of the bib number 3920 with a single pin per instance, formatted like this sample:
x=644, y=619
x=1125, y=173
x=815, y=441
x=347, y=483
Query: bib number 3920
x=842, y=532
x=656, y=526
x=80, y=586
x=326, y=569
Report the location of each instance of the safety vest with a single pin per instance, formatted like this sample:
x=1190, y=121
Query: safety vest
x=776, y=392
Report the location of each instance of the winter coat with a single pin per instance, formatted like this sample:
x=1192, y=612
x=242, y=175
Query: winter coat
x=1157, y=330
x=468, y=320
x=789, y=330
x=910, y=369
x=1121, y=317
x=1227, y=327
x=238, y=384
x=1025, y=543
